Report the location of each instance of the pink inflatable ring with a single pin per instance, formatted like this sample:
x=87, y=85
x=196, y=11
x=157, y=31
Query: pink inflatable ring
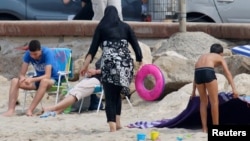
x=154, y=93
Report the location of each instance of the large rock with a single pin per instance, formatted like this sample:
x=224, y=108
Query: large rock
x=241, y=83
x=178, y=71
x=237, y=64
x=175, y=57
x=189, y=44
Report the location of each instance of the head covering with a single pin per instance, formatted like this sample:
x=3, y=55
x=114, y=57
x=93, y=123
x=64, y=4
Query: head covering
x=110, y=18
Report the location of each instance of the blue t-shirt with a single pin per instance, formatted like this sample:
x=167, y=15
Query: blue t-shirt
x=47, y=58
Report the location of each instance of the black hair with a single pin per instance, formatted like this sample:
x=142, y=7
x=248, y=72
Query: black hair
x=34, y=45
x=216, y=48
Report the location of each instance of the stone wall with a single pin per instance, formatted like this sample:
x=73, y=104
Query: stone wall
x=78, y=36
x=142, y=29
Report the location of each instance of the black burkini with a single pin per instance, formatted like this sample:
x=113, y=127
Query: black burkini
x=113, y=36
x=204, y=75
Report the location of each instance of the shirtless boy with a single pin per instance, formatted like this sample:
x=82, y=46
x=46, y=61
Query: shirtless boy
x=206, y=82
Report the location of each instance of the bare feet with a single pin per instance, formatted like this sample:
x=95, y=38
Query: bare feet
x=112, y=126
x=118, y=127
x=29, y=113
x=118, y=122
x=47, y=109
x=8, y=113
x=204, y=130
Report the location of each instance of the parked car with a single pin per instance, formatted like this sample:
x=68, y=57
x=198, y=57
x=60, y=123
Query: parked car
x=56, y=9
x=218, y=11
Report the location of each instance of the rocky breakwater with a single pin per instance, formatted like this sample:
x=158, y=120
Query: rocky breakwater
x=175, y=56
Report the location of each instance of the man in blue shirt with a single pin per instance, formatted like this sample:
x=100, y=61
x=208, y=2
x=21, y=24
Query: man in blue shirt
x=46, y=75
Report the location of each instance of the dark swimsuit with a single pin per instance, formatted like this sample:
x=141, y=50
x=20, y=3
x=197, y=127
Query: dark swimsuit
x=204, y=75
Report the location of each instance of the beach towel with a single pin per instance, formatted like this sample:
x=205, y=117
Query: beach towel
x=231, y=111
x=62, y=55
x=242, y=50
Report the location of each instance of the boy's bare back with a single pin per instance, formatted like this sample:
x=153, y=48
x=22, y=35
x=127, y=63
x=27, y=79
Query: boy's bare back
x=214, y=60
x=210, y=60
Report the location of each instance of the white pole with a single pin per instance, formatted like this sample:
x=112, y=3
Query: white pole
x=182, y=16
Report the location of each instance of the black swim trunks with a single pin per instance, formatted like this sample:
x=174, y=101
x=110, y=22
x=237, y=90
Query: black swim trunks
x=204, y=75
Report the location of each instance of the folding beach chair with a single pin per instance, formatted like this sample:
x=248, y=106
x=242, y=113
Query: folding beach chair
x=63, y=57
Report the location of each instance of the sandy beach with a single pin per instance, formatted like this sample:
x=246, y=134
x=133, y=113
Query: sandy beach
x=92, y=126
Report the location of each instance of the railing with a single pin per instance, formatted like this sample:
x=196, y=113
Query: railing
x=161, y=10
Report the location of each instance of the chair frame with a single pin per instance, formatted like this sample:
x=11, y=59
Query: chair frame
x=61, y=74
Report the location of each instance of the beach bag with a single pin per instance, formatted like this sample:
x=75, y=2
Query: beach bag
x=94, y=101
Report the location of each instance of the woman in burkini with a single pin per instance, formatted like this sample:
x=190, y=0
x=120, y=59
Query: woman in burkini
x=113, y=36
x=206, y=82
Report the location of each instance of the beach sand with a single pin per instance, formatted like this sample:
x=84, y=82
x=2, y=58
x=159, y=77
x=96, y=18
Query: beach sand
x=92, y=126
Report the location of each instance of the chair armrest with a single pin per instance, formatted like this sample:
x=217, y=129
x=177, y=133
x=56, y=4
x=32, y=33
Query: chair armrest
x=98, y=89
x=64, y=72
